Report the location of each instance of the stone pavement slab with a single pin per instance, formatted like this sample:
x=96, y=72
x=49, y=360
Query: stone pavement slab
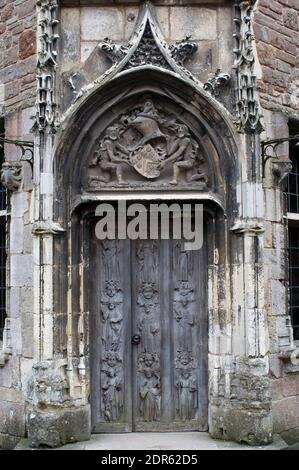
x=159, y=441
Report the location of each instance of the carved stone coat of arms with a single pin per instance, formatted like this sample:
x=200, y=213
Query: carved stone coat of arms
x=147, y=145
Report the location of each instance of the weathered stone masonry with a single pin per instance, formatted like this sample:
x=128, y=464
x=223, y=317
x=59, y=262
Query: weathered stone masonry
x=277, y=40
x=17, y=92
x=59, y=88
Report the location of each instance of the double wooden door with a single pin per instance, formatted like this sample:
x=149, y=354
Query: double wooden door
x=148, y=336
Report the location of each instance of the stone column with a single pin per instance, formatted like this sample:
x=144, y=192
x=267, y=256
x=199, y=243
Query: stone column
x=54, y=415
x=241, y=405
x=240, y=401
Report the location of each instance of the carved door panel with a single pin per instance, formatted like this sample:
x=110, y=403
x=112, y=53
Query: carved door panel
x=189, y=336
x=148, y=336
x=110, y=338
x=147, y=311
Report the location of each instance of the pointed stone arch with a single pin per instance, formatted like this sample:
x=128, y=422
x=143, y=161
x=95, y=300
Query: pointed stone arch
x=103, y=108
x=147, y=65
x=99, y=106
x=73, y=206
x=231, y=262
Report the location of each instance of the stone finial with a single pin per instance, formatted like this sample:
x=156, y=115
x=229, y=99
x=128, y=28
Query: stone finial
x=247, y=105
x=217, y=82
x=47, y=63
x=48, y=24
x=183, y=50
x=114, y=52
x=146, y=47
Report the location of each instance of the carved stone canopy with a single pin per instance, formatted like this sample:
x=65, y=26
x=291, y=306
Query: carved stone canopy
x=146, y=146
x=147, y=47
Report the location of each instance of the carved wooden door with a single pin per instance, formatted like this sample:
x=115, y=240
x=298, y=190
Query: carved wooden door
x=148, y=336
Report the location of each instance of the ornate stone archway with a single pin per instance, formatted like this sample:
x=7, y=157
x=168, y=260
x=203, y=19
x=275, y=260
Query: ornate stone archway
x=181, y=144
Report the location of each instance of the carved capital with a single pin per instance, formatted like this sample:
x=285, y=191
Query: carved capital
x=47, y=228
x=290, y=358
x=251, y=226
x=11, y=175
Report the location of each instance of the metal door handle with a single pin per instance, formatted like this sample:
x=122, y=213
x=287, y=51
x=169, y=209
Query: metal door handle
x=136, y=339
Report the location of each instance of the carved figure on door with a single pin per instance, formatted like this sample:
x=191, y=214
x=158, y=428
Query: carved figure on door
x=186, y=385
x=184, y=314
x=112, y=316
x=148, y=318
x=110, y=257
x=187, y=396
x=146, y=255
x=149, y=387
x=112, y=387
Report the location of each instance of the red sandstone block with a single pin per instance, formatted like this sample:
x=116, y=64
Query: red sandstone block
x=270, y=4
x=284, y=67
x=7, y=12
x=290, y=19
x=27, y=44
x=280, y=41
x=290, y=3
x=275, y=6
x=26, y=8
x=270, y=13
x=266, y=54
x=275, y=77
x=286, y=57
x=261, y=33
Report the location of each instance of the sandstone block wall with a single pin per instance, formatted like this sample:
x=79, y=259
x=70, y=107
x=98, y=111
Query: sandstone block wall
x=17, y=99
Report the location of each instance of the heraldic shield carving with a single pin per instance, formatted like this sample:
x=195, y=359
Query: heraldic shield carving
x=147, y=146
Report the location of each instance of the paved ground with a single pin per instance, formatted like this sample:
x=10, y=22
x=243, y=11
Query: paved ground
x=293, y=447
x=159, y=441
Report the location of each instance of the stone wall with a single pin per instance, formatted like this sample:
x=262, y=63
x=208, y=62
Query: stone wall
x=83, y=28
x=276, y=28
x=17, y=64
x=276, y=31
x=208, y=27
x=17, y=98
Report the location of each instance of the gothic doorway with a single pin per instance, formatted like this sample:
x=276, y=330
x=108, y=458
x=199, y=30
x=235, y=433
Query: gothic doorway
x=148, y=336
